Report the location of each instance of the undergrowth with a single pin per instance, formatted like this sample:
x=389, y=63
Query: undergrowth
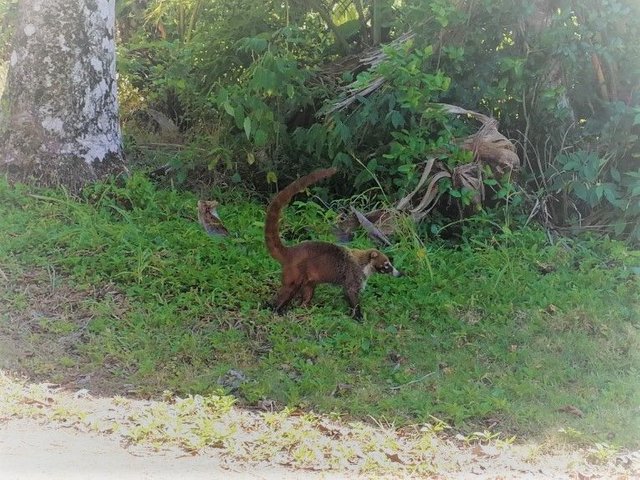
x=503, y=332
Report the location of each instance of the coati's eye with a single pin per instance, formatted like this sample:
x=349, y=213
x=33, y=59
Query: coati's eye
x=386, y=267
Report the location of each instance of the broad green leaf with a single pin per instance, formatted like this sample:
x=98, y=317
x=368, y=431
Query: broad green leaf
x=599, y=191
x=580, y=190
x=247, y=126
x=260, y=138
x=397, y=120
x=615, y=174
x=228, y=108
x=363, y=177
x=342, y=159
x=610, y=194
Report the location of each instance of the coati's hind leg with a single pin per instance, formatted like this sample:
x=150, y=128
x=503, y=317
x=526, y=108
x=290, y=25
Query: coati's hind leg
x=285, y=295
x=307, y=294
x=353, y=297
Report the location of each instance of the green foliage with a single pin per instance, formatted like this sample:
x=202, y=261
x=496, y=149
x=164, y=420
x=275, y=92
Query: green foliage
x=176, y=50
x=579, y=174
x=270, y=90
x=564, y=82
x=601, y=183
x=253, y=86
x=482, y=332
x=394, y=129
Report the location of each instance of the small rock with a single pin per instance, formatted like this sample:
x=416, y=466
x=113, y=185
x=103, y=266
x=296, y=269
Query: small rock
x=232, y=379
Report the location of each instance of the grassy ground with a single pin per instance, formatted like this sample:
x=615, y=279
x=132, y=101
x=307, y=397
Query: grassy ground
x=506, y=333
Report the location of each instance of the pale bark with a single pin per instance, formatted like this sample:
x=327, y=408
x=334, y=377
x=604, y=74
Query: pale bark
x=59, y=112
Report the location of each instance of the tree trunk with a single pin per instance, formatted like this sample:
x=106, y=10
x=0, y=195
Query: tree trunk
x=59, y=111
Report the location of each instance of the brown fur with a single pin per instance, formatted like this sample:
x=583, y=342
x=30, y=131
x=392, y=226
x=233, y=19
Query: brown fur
x=309, y=263
x=209, y=219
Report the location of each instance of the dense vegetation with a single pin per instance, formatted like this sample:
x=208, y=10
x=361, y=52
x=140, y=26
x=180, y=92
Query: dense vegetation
x=264, y=91
x=259, y=92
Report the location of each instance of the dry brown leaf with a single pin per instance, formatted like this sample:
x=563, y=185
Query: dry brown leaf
x=571, y=410
x=329, y=432
x=33, y=401
x=394, y=457
x=402, y=204
x=489, y=147
x=374, y=233
x=545, y=268
x=583, y=476
x=209, y=218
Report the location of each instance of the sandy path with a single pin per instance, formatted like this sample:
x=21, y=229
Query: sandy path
x=30, y=450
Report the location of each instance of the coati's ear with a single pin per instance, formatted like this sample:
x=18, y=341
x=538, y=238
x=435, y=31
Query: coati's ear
x=373, y=254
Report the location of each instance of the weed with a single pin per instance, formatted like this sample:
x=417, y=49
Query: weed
x=601, y=453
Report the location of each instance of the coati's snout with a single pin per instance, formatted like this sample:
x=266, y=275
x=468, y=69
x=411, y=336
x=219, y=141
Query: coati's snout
x=397, y=273
x=391, y=270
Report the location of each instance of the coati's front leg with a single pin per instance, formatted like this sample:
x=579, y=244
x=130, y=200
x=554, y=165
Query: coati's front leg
x=352, y=293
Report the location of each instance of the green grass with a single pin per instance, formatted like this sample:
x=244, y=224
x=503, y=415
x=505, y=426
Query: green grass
x=476, y=336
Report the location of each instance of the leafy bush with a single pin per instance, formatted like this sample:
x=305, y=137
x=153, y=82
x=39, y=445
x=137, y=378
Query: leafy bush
x=268, y=93
x=261, y=81
x=600, y=188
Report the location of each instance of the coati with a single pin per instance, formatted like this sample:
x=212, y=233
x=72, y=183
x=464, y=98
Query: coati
x=309, y=263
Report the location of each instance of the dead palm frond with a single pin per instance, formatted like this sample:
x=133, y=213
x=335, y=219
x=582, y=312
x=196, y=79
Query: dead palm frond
x=490, y=148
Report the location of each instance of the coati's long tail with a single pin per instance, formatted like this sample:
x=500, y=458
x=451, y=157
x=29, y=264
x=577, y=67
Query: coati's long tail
x=271, y=229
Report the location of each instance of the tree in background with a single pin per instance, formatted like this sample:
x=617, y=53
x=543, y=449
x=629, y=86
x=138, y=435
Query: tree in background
x=59, y=112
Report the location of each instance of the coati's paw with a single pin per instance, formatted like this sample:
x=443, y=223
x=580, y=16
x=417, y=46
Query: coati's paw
x=356, y=313
x=268, y=305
